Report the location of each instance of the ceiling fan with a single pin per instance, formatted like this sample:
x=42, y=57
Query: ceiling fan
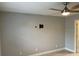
x=66, y=11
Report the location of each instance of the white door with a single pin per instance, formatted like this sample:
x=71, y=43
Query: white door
x=77, y=37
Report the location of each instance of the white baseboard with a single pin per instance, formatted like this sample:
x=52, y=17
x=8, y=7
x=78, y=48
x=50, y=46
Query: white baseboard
x=69, y=49
x=46, y=52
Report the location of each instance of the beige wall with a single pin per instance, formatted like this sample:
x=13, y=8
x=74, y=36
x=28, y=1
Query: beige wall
x=0, y=36
x=20, y=37
x=0, y=47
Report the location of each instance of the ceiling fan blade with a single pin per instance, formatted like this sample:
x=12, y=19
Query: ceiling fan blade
x=74, y=11
x=55, y=9
x=75, y=7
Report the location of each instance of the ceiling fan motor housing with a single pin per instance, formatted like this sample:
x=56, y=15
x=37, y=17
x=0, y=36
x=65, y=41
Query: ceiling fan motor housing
x=65, y=10
x=66, y=3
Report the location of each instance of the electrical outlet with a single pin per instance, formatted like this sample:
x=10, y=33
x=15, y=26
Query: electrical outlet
x=36, y=49
x=56, y=46
x=20, y=53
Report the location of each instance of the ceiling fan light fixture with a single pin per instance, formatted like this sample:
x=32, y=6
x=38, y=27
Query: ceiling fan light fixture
x=65, y=13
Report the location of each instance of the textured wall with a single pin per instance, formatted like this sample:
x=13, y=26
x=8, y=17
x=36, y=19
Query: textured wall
x=20, y=37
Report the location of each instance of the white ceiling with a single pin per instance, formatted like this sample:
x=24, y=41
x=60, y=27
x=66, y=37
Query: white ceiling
x=34, y=7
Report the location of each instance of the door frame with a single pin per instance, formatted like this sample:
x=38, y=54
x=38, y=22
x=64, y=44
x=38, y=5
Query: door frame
x=75, y=35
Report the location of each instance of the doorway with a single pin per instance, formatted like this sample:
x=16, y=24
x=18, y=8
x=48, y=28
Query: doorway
x=77, y=36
